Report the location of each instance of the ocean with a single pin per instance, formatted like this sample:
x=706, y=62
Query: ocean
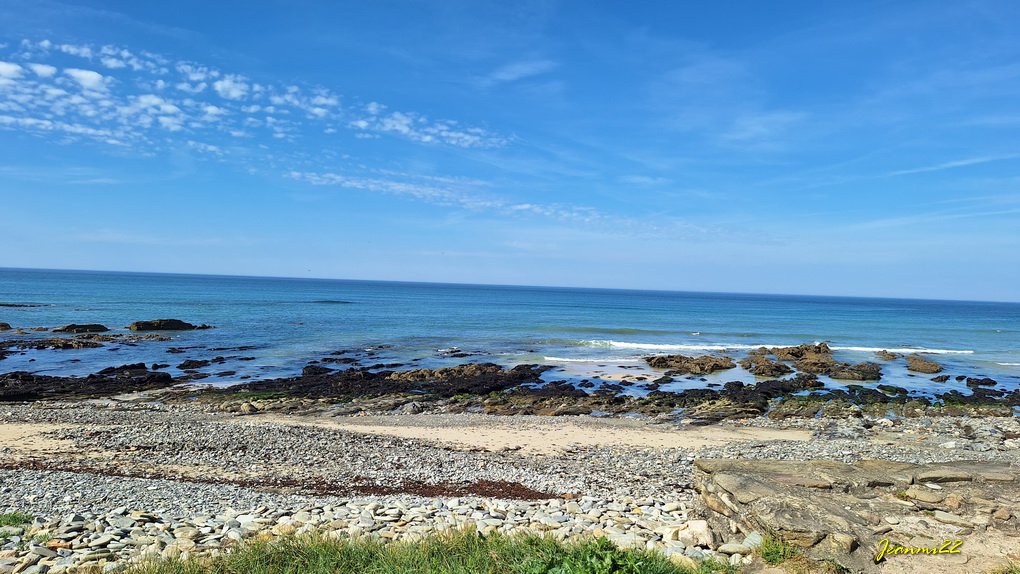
x=272, y=327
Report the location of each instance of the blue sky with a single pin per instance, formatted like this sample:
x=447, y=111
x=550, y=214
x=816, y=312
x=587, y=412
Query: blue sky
x=867, y=148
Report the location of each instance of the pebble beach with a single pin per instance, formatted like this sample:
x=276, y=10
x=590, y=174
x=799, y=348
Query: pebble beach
x=111, y=482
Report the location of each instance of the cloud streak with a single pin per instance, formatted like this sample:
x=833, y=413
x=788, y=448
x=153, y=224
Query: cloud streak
x=956, y=164
x=517, y=71
x=48, y=87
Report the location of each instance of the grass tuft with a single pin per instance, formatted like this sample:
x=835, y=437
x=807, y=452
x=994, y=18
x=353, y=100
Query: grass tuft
x=774, y=551
x=1011, y=568
x=14, y=519
x=460, y=552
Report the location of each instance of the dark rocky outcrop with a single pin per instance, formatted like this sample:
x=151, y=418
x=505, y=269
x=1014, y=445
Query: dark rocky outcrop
x=684, y=365
x=23, y=386
x=798, y=352
x=193, y=364
x=315, y=370
x=52, y=343
x=818, y=360
x=820, y=364
x=165, y=325
x=762, y=366
x=940, y=379
x=471, y=379
x=975, y=382
x=887, y=356
x=84, y=328
x=919, y=364
x=985, y=398
x=5, y=327
x=856, y=372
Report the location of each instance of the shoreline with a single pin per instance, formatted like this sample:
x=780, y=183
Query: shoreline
x=800, y=381
x=356, y=447
x=187, y=459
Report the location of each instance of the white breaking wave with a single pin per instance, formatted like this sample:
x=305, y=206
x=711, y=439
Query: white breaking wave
x=1009, y=364
x=906, y=350
x=680, y=347
x=669, y=347
x=599, y=360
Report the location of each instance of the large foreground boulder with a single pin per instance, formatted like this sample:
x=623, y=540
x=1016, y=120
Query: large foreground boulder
x=838, y=512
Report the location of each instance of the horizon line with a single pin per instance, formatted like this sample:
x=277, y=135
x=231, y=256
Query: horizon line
x=418, y=282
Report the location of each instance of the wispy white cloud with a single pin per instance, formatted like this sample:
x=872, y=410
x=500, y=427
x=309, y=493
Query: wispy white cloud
x=643, y=180
x=120, y=102
x=416, y=127
x=931, y=217
x=10, y=70
x=955, y=164
x=205, y=147
x=130, y=238
x=88, y=79
x=80, y=51
x=46, y=125
x=765, y=127
x=467, y=194
x=232, y=87
x=43, y=70
x=516, y=71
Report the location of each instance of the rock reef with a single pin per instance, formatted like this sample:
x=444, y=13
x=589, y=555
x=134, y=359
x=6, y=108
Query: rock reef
x=684, y=365
x=165, y=325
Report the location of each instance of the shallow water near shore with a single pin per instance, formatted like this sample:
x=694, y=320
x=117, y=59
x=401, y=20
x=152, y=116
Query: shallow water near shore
x=270, y=327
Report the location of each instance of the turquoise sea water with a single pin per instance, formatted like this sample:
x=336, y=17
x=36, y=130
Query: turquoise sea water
x=288, y=322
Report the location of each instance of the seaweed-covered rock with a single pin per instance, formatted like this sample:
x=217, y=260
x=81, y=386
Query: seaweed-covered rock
x=84, y=328
x=315, y=370
x=59, y=343
x=190, y=364
x=5, y=326
x=975, y=382
x=800, y=351
x=473, y=379
x=887, y=355
x=856, y=372
x=762, y=366
x=682, y=364
x=919, y=364
x=715, y=411
x=22, y=386
x=165, y=325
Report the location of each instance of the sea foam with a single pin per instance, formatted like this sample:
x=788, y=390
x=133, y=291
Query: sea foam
x=738, y=347
x=595, y=360
x=905, y=350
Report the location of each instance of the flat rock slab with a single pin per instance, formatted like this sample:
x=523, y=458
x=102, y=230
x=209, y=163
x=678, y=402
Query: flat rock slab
x=841, y=512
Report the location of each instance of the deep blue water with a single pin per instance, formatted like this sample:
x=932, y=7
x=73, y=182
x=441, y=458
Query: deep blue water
x=292, y=321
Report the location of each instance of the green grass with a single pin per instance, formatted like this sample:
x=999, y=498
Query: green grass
x=775, y=551
x=14, y=519
x=1011, y=568
x=462, y=552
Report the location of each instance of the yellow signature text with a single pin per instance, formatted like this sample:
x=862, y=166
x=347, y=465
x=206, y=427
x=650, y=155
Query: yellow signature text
x=885, y=549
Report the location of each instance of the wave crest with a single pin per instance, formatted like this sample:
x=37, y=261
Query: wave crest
x=743, y=347
x=595, y=360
